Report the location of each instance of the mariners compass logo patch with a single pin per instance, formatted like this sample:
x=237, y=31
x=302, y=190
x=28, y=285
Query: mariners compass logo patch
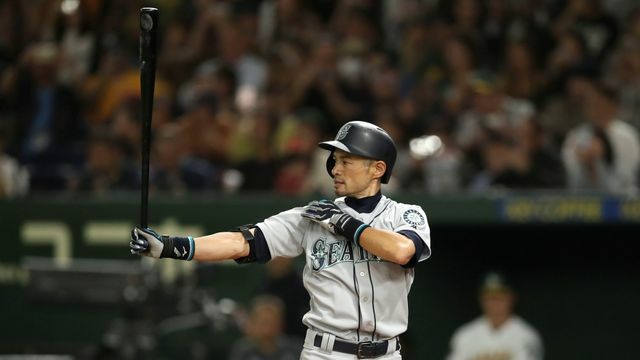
x=413, y=218
x=343, y=132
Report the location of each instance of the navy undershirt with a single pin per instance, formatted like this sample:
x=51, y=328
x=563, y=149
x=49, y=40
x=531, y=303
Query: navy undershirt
x=363, y=205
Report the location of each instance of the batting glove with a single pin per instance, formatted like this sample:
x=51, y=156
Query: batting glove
x=329, y=215
x=149, y=243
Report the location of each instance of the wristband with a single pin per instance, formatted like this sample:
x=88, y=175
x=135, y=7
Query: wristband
x=350, y=228
x=359, y=230
x=181, y=248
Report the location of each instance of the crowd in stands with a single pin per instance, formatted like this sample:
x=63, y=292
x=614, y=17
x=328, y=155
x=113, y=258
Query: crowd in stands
x=479, y=95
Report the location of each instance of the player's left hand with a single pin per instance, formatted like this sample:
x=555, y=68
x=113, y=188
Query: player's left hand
x=146, y=242
x=329, y=215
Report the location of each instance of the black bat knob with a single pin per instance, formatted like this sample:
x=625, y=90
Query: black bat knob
x=146, y=22
x=148, y=33
x=148, y=18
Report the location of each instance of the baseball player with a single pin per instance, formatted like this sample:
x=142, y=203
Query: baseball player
x=360, y=248
x=498, y=334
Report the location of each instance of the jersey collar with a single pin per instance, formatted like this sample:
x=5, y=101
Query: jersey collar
x=365, y=204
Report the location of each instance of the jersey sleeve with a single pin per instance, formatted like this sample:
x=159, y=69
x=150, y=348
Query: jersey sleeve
x=411, y=218
x=284, y=232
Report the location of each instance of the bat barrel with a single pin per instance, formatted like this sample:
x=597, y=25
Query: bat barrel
x=148, y=50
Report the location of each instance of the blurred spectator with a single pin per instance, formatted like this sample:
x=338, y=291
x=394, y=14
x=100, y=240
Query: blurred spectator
x=290, y=20
x=13, y=35
x=47, y=123
x=297, y=138
x=175, y=172
x=632, y=24
x=544, y=167
x=208, y=128
x=264, y=338
x=466, y=16
x=385, y=89
x=589, y=18
x=490, y=122
x=460, y=63
x=420, y=48
x=354, y=23
x=212, y=80
x=253, y=154
x=319, y=86
x=529, y=22
x=284, y=281
x=113, y=63
x=568, y=57
x=522, y=161
x=623, y=70
x=292, y=175
x=119, y=87
x=106, y=167
x=602, y=154
x=521, y=75
x=14, y=179
x=285, y=60
x=189, y=37
x=233, y=75
x=48, y=111
x=620, y=9
x=399, y=18
x=504, y=165
x=495, y=31
x=76, y=40
x=443, y=169
x=498, y=333
x=126, y=126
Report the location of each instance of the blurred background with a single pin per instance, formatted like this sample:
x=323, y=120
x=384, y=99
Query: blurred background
x=517, y=126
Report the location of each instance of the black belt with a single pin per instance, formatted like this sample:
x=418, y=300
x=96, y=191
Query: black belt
x=364, y=350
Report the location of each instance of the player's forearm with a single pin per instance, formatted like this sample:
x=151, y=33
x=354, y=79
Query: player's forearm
x=387, y=245
x=220, y=246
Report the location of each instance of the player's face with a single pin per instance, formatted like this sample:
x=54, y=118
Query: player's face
x=497, y=305
x=265, y=323
x=356, y=176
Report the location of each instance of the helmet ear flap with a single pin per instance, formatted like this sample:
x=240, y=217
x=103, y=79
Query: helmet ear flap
x=331, y=162
x=387, y=175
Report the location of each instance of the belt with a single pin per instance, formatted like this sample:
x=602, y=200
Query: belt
x=363, y=350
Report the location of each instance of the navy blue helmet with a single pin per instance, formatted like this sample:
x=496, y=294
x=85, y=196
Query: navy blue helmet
x=366, y=140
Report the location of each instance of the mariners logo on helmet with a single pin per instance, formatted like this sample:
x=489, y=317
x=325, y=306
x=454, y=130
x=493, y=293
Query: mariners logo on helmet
x=343, y=132
x=413, y=218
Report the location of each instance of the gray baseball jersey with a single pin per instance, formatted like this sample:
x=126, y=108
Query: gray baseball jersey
x=354, y=294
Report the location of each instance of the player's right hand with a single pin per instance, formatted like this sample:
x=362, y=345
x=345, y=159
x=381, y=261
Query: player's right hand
x=146, y=242
x=327, y=214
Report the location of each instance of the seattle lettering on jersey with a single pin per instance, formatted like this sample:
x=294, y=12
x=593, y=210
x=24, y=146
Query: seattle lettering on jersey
x=326, y=253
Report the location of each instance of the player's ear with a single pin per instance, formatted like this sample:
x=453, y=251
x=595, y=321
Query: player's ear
x=379, y=168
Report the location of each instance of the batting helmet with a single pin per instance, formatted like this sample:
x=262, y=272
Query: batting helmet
x=366, y=140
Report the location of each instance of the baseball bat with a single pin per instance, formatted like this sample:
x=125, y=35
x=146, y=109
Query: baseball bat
x=148, y=46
